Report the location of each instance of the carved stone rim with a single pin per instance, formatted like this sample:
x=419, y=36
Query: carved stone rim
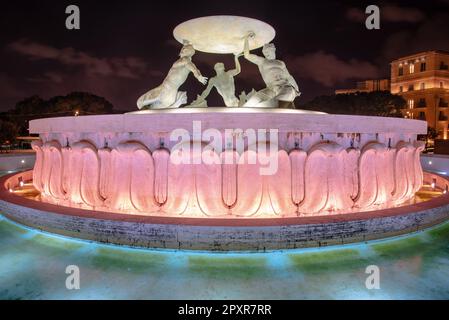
x=154, y=121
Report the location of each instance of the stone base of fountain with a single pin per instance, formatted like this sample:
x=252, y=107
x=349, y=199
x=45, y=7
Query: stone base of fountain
x=183, y=179
x=223, y=234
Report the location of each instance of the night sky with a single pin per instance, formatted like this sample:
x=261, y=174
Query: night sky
x=125, y=48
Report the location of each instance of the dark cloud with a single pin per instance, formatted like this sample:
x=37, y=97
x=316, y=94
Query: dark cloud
x=127, y=67
x=328, y=70
x=356, y=15
x=47, y=77
x=432, y=34
x=388, y=13
x=126, y=48
x=122, y=92
x=115, y=78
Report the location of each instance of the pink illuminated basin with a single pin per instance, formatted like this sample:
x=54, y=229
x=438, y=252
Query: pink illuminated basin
x=240, y=163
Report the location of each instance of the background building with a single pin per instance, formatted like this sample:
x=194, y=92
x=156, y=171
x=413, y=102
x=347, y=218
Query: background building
x=422, y=79
x=367, y=86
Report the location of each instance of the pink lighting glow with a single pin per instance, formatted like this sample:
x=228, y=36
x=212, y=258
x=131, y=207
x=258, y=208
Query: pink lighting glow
x=326, y=179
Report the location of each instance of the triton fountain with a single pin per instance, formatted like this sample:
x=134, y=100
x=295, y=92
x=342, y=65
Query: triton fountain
x=257, y=174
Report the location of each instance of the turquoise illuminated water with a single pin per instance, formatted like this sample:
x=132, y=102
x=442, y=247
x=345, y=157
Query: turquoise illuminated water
x=32, y=266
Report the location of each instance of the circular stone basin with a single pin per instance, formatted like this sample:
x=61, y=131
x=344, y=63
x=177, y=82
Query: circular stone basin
x=316, y=178
x=220, y=163
x=223, y=34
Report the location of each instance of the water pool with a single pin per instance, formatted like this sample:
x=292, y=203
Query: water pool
x=32, y=266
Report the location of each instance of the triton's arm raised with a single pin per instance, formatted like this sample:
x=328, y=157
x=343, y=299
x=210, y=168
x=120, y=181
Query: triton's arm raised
x=248, y=56
x=237, y=69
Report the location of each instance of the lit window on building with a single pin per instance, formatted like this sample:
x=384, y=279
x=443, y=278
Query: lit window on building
x=423, y=86
x=411, y=103
x=412, y=67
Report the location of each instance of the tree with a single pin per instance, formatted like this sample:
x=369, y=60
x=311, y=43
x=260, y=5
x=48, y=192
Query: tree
x=378, y=103
x=8, y=132
x=31, y=105
x=432, y=134
x=84, y=103
x=35, y=107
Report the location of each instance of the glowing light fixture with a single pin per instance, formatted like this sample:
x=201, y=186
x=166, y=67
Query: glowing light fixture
x=21, y=183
